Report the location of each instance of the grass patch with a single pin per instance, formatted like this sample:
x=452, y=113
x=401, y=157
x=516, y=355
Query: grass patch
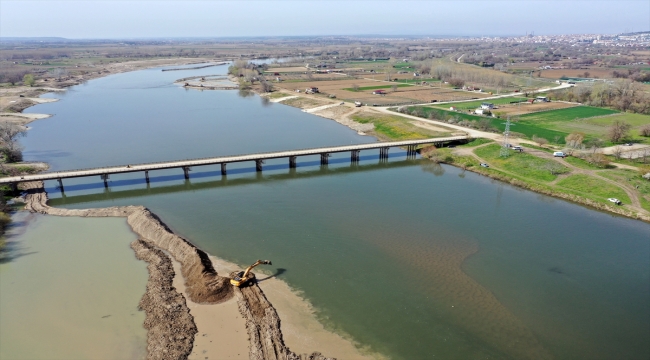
x=277, y=95
x=577, y=162
x=522, y=164
x=477, y=142
x=635, y=180
x=393, y=127
x=593, y=188
x=387, y=86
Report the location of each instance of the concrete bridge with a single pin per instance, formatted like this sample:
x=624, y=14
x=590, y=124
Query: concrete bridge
x=259, y=158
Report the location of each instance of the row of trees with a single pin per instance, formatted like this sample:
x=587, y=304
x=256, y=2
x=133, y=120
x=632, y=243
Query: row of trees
x=622, y=94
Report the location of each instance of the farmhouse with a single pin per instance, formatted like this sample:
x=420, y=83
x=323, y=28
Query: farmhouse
x=542, y=99
x=482, y=112
x=487, y=106
x=312, y=90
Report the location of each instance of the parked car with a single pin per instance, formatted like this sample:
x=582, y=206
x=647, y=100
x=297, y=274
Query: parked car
x=615, y=201
x=627, y=144
x=485, y=165
x=559, y=154
x=517, y=148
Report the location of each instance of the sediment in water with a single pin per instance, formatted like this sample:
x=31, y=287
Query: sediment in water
x=170, y=327
x=168, y=316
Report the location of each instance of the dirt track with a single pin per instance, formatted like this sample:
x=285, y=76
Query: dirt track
x=170, y=326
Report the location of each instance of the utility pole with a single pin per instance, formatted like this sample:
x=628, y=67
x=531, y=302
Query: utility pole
x=505, y=152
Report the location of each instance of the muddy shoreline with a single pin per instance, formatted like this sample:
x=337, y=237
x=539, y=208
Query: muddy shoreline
x=170, y=327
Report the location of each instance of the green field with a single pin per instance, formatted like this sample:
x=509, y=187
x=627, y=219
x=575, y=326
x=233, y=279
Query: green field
x=522, y=164
x=477, y=103
x=387, y=86
x=568, y=114
x=632, y=119
x=523, y=128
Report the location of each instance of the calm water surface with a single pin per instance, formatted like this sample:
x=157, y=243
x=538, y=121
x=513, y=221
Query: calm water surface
x=411, y=259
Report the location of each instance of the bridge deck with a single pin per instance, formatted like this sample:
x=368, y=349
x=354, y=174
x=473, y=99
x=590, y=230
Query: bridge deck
x=219, y=160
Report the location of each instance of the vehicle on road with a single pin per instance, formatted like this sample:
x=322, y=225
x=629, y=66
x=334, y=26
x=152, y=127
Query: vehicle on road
x=615, y=201
x=559, y=154
x=517, y=148
x=627, y=144
x=485, y=165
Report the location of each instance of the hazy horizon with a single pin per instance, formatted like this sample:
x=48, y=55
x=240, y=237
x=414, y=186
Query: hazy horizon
x=249, y=19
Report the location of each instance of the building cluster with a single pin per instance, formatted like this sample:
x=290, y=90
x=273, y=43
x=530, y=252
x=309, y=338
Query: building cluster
x=623, y=40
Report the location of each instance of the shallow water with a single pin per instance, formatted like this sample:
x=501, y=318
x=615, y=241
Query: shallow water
x=411, y=259
x=69, y=289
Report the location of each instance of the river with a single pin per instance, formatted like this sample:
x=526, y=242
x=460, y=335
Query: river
x=408, y=258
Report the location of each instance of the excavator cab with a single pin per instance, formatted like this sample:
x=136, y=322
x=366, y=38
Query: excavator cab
x=243, y=277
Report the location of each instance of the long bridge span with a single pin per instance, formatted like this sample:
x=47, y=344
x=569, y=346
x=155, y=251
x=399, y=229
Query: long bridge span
x=258, y=158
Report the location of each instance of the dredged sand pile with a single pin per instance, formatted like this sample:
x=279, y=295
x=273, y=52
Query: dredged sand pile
x=171, y=328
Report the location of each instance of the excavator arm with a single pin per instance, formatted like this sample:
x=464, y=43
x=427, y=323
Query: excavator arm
x=243, y=277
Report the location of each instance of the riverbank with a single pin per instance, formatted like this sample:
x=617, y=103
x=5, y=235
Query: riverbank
x=348, y=115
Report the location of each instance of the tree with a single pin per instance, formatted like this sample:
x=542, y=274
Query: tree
x=554, y=168
x=540, y=140
x=617, y=152
x=574, y=139
x=266, y=86
x=28, y=80
x=618, y=131
x=394, y=88
x=645, y=130
x=9, y=146
x=355, y=87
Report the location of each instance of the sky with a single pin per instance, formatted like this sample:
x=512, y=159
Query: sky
x=85, y=19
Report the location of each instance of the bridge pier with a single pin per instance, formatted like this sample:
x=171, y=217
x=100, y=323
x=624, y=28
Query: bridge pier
x=146, y=176
x=186, y=172
x=354, y=156
x=383, y=153
x=324, y=158
x=105, y=178
x=410, y=151
x=60, y=185
x=258, y=165
x=292, y=162
x=14, y=187
x=223, y=169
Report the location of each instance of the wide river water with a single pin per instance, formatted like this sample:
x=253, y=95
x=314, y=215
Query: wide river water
x=409, y=259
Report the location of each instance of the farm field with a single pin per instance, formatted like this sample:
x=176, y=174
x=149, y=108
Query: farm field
x=575, y=112
x=286, y=69
x=404, y=94
x=470, y=105
x=387, y=86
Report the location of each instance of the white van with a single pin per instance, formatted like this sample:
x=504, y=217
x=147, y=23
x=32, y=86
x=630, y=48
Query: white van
x=559, y=154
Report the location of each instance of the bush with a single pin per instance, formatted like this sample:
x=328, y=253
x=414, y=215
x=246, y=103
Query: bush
x=645, y=130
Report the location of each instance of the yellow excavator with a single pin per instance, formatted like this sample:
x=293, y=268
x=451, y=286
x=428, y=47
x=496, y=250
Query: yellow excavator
x=243, y=277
